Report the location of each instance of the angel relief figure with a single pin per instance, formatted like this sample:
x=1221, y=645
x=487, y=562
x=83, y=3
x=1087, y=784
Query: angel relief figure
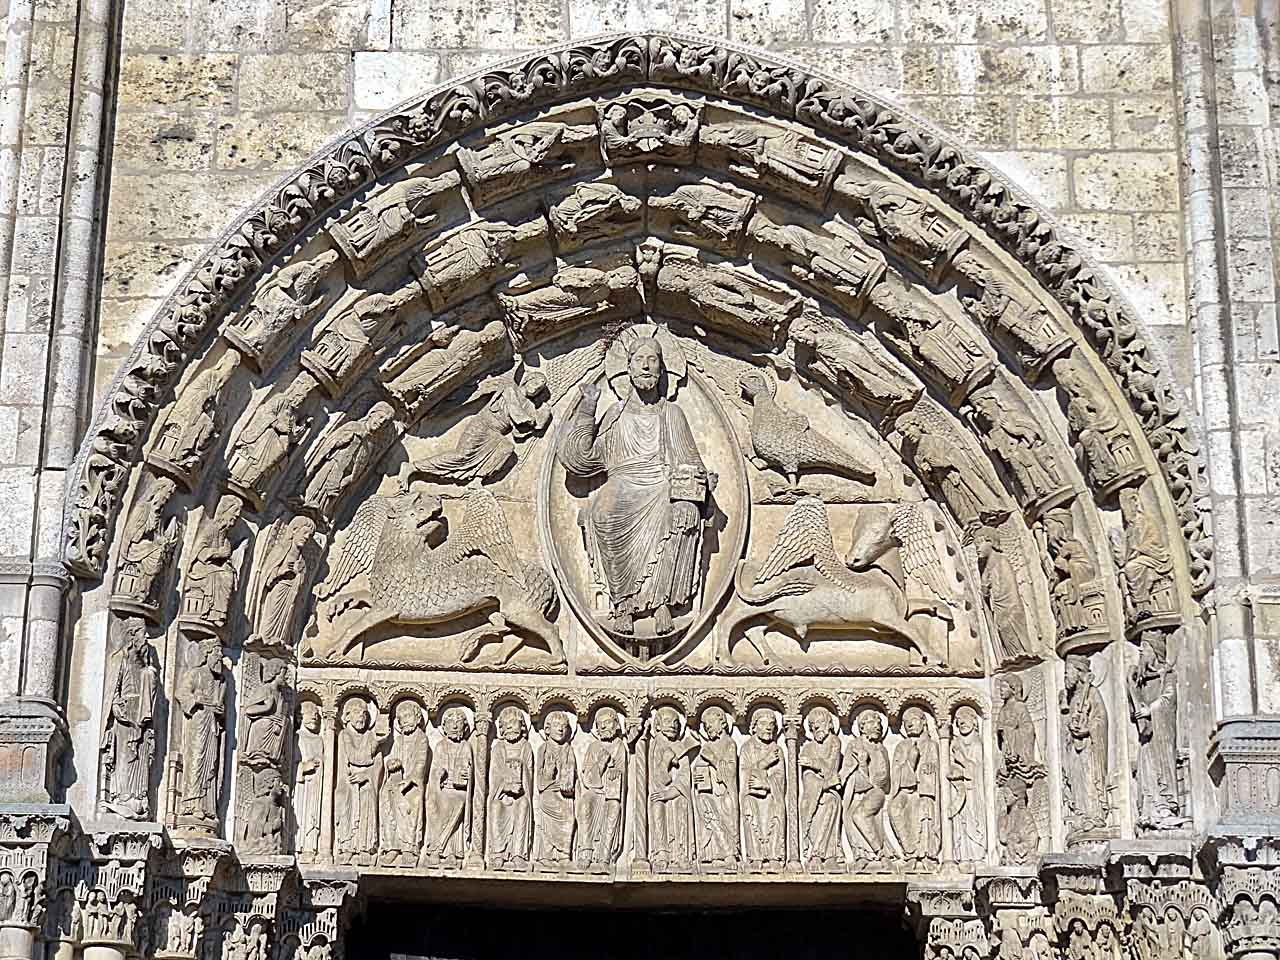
x=643, y=527
x=384, y=569
x=486, y=446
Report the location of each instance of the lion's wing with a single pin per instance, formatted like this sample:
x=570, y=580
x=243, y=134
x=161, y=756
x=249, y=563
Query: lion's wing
x=483, y=531
x=356, y=545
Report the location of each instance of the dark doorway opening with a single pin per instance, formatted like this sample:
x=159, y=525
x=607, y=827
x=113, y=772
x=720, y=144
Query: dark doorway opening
x=402, y=931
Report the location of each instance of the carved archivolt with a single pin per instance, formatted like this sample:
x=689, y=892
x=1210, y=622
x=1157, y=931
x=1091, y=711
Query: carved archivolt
x=650, y=455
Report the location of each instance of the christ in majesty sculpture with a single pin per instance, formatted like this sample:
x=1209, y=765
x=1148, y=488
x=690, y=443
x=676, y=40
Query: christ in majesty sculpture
x=643, y=526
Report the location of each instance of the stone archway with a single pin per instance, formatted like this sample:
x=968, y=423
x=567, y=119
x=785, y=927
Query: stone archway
x=905, y=479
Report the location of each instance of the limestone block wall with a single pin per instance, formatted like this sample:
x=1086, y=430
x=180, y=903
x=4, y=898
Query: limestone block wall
x=1073, y=99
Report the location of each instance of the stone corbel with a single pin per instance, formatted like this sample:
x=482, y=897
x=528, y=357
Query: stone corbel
x=946, y=922
x=27, y=832
x=33, y=735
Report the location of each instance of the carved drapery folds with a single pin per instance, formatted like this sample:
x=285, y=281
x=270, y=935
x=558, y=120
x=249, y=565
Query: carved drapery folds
x=499, y=469
x=792, y=163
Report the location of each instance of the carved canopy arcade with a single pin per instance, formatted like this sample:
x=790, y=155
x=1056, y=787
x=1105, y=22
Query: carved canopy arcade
x=643, y=460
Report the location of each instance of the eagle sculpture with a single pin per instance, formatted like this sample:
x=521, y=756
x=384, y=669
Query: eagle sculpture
x=784, y=440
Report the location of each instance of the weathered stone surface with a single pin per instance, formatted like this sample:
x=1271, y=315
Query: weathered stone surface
x=868, y=23
x=1011, y=69
x=191, y=81
x=951, y=21
x=1073, y=99
x=275, y=141
x=1126, y=181
x=303, y=81
x=149, y=141
x=1064, y=123
x=1126, y=68
x=448, y=24
x=380, y=80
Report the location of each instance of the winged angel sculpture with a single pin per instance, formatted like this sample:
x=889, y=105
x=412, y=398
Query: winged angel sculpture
x=891, y=576
x=385, y=571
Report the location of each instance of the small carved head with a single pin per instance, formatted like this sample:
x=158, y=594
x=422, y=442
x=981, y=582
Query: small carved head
x=616, y=114
x=379, y=415
x=667, y=722
x=227, y=512
x=301, y=529
x=966, y=720
x=1009, y=688
x=984, y=543
x=764, y=726
x=408, y=716
x=644, y=364
x=1154, y=650
x=534, y=385
x=511, y=726
x=870, y=726
x=913, y=722
x=355, y=714
x=1076, y=671
x=310, y=712
x=1130, y=503
x=754, y=384
x=606, y=725
x=161, y=490
x=911, y=427
x=557, y=726
x=1077, y=414
x=455, y=725
x=820, y=723
x=134, y=643
x=714, y=722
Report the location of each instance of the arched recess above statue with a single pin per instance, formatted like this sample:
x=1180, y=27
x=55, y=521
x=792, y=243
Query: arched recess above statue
x=497, y=238
x=425, y=127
